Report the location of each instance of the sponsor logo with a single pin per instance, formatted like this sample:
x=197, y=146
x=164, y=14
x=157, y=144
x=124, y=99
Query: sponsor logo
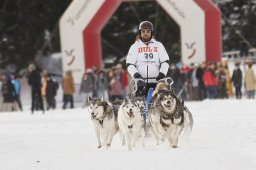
x=191, y=48
x=147, y=49
x=176, y=8
x=71, y=56
x=77, y=16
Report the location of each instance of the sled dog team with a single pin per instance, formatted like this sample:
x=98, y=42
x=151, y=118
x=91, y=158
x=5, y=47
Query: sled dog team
x=168, y=118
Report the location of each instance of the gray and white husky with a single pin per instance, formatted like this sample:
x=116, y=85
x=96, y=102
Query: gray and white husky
x=104, y=119
x=129, y=120
x=140, y=101
x=173, y=117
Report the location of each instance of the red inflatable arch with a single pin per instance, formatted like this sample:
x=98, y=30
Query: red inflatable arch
x=83, y=21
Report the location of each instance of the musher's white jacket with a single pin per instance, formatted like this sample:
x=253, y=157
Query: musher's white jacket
x=148, y=60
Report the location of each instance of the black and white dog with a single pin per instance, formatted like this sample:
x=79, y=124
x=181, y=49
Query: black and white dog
x=169, y=117
x=104, y=119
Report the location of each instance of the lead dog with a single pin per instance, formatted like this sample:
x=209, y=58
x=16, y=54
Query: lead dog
x=174, y=116
x=104, y=119
x=129, y=120
x=154, y=113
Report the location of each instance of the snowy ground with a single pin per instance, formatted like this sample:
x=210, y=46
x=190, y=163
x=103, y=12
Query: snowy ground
x=223, y=138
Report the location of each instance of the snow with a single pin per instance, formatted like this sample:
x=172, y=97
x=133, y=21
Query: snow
x=223, y=138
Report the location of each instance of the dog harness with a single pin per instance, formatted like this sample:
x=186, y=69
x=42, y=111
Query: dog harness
x=101, y=120
x=178, y=113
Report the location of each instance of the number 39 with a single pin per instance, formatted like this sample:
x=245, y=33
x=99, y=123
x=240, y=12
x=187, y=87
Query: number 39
x=148, y=55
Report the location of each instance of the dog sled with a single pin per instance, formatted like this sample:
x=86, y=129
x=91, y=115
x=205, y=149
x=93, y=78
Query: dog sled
x=139, y=86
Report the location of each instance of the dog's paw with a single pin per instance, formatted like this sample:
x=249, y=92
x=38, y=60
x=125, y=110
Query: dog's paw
x=108, y=145
x=174, y=146
x=99, y=146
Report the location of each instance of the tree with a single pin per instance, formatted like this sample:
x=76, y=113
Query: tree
x=239, y=23
x=23, y=25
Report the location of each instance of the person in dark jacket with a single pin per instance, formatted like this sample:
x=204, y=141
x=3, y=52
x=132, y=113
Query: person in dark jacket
x=34, y=80
x=51, y=92
x=102, y=85
x=174, y=73
x=8, y=92
x=199, y=75
x=86, y=88
x=237, y=80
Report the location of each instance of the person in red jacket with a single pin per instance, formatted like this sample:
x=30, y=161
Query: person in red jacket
x=210, y=81
x=125, y=83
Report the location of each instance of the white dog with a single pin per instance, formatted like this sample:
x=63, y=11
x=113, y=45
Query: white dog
x=129, y=120
x=104, y=120
x=140, y=101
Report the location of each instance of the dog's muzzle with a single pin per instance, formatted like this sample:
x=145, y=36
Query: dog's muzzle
x=168, y=104
x=93, y=115
x=130, y=113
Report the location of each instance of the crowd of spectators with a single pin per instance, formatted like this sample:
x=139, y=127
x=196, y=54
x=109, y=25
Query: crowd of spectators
x=194, y=82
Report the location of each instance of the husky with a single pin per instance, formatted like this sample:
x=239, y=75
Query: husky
x=104, y=119
x=174, y=116
x=154, y=113
x=140, y=101
x=129, y=120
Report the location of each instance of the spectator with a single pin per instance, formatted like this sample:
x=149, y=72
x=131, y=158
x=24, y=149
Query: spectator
x=43, y=88
x=185, y=78
x=237, y=80
x=86, y=88
x=229, y=82
x=51, y=92
x=174, y=73
x=210, y=81
x=116, y=92
x=102, y=85
x=194, y=83
x=8, y=92
x=250, y=82
x=125, y=83
x=93, y=72
x=17, y=86
x=201, y=87
x=68, y=90
x=34, y=80
x=222, y=82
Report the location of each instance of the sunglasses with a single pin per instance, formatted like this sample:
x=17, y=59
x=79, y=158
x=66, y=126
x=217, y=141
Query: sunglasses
x=146, y=31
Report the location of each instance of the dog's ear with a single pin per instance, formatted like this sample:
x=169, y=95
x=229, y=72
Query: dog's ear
x=161, y=91
x=89, y=99
x=108, y=108
x=126, y=100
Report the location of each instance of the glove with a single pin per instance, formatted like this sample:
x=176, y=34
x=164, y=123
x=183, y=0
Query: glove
x=137, y=75
x=141, y=83
x=160, y=76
